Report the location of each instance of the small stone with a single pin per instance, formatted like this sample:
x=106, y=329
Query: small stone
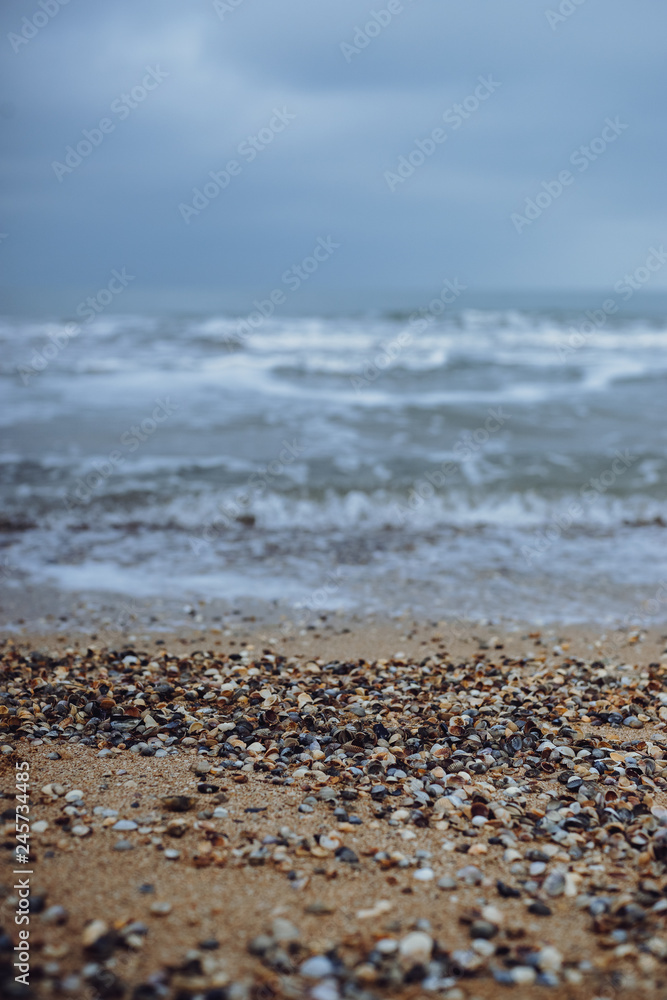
x=76, y=795
x=171, y=854
x=470, y=875
x=483, y=947
x=554, y=884
x=415, y=949
x=161, y=908
x=123, y=845
x=319, y=909
x=55, y=915
x=125, y=825
x=80, y=830
x=305, y=808
x=177, y=803
x=539, y=909
x=326, y=990
x=317, y=967
x=523, y=975
x=447, y=883
x=549, y=959
x=657, y=946
x=507, y=891
x=483, y=929
x=598, y=906
x=93, y=931
x=537, y=868
x=201, y=767
x=347, y=855
x=633, y=722
x=284, y=931
x=424, y=874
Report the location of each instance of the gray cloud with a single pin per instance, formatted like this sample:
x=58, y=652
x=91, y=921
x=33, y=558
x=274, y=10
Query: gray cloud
x=325, y=172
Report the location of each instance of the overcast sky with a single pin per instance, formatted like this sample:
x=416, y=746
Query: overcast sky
x=219, y=75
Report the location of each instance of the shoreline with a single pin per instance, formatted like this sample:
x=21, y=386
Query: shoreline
x=349, y=829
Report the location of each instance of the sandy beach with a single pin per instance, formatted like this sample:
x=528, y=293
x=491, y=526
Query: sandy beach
x=333, y=501
x=389, y=810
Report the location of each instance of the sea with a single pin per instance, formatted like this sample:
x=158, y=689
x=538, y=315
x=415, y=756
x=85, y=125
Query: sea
x=450, y=462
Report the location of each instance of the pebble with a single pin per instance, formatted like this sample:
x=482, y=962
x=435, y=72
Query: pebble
x=161, y=908
x=93, y=932
x=424, y=874
x=523, y=975
x=177, y=803
x=55, y=915
x=554, y=884
x=284, y=931
x=415, y=948
x=123, y=845
x=483, y=929
x=470, y=875
x=326, y=990
x=316, y=967
x=500, y=754
x=549, y=959
x=347, y=855
x=125, y=825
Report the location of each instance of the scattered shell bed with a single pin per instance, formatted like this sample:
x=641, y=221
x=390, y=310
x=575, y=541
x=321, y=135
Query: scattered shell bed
x=549, y=770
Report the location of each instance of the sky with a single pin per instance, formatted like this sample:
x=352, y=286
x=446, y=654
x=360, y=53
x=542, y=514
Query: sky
x=305, y=111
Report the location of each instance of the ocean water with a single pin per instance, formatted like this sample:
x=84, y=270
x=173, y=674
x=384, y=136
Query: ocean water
x=481, y=463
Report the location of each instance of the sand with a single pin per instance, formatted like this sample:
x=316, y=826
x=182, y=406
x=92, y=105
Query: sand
x=226, y=887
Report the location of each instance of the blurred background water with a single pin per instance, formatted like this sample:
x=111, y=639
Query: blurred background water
x=161, y=456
